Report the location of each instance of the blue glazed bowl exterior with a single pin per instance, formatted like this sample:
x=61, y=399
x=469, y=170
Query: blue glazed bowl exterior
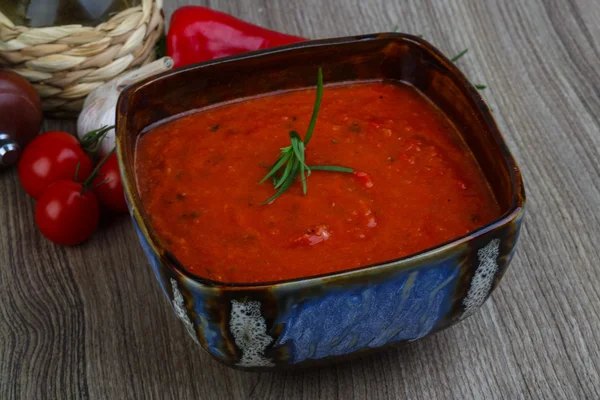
x=315, y=319
x=320, y=319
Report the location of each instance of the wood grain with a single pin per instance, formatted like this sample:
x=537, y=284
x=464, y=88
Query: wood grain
x=90, y=322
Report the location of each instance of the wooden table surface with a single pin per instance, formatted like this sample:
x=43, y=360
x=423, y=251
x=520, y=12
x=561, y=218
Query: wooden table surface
x=90, y=322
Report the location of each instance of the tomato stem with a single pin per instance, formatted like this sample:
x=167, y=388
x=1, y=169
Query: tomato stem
x=87, y=185
x=77, y=172
x=101, y=183
x=91, y=141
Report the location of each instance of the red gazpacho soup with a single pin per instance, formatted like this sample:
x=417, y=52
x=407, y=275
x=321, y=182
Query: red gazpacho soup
x=415, y=183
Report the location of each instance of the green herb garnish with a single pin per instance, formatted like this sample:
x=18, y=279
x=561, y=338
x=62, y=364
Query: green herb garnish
x=291, y=161
x=453, y=59
x=459, y=55
x=331, y=168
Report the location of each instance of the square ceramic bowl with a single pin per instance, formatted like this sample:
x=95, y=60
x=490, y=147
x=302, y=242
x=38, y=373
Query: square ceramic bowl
x=320, y=319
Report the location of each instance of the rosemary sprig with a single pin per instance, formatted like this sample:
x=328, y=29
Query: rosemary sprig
x=459, y=55
x=332, y=168
x=453, y=59
x=291, y=161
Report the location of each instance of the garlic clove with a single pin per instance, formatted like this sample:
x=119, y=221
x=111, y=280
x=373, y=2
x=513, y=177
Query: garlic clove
x=99, y=108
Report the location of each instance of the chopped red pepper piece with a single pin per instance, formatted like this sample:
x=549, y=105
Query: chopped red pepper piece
x=364, y=179
x=314, y=236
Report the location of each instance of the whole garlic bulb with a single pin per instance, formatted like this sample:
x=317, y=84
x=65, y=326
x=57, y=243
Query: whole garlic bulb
x=99, y=108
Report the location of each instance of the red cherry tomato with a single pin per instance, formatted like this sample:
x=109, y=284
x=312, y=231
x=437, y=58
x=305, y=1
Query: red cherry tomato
x=49, y=157
x=66, y=216
x=108, y=186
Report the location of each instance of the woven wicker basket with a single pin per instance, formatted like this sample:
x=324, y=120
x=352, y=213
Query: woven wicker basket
x=65, y=63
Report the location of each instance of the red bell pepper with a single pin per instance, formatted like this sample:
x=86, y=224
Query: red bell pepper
x=199, y=34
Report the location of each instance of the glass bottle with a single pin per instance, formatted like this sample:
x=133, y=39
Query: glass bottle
x=38, y=13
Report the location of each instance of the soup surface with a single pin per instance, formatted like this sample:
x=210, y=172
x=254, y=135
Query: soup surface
x=198, y=179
